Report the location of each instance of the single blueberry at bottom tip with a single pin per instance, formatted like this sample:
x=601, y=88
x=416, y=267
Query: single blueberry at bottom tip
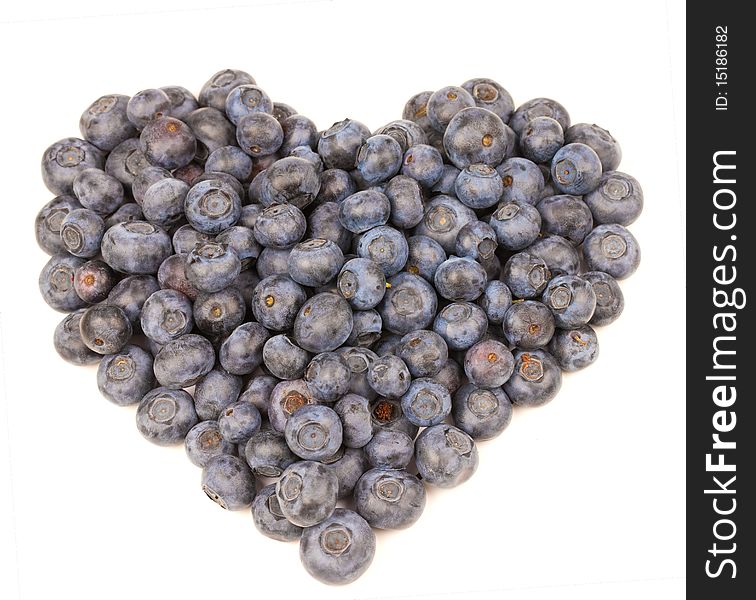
x=339, y=549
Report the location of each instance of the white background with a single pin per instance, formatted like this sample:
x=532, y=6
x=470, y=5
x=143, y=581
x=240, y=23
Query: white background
x=582, y=498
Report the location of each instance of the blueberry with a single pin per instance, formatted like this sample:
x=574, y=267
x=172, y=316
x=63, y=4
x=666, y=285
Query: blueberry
x=227, y=179
x=540, y=139
x=81, y=231
x=426, y=402
x=298, y=131
x=283, y=358
x=488, y=364
x=171, y=275
x=268, y=518
x=182, y=100
x=212, y=130
x=366, y=328
x=307, y=493
x=528, y=324
x=286, y=398
x=217, y=314
x=476, y=135
x=246, y=99
x=389, y=376
x=574, y=348
x=609, y=299
x=424, y=164
x=364, y=210
x=136, y=247
x=146, y=106
x=323, y=223
x=214, y=392
x=425, y=255
x=314, y=432
x=489, y=94
x=525, y=274
x=238, y=421
x=165, y=416
x=390, y=449
x=249, y=214
x=105, y=123
x=478, y=186
x=273, y=262
x=451, y=376
x=460, y=325
x=481, y=413
x=49, y=221
x=560, y=256
x=602, y=142
x=576, y=169
x=410, y=303
x=522, y=180
x=445, y=456
x=387, y=413
x=105, y=329
x=315, y=262
x=495, y=301
x=258, y=391
x=204, y=442
x=444, y=217
x=390, y=498
x=362, y=282
x=378, y=159
x=536, y=378
x=68, y=343
x=126, y=376
x=184, y=361
x=145, y=179
x=477, y=241
x=613, y=250
x=98, y=191
x=276, y=302
x=131, y=293
x=280, y=226
x=291, y=180
x=130, y=211
x=339, y=145
x=335, y=185
x=416, y=110
x=445, y=185
x=93, y=281
x=405, y=132
x=267, y=453
x=443, y=104
x=259, y=134
x=211, y=266
x=424, y=352
x=243, y=243
x=163, y=202
x=359, y=360
x=323, y=323
x=405, y=198
x=328, y=377
x=571, y=299
x=215, y=91
x=617, y=199
x=231, y=160
x=387, y=344
x=168, y=143
x=517, y=224
x=460, y=279
x=538, y=107
x=339, y=549
x=228, y=482
x=354, y=412
x=386, y=246
x=211, y=206
x=126, y=161
x=348, y=465
x=185, y=238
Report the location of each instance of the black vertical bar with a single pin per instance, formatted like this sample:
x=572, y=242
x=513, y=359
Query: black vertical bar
x=721, y=561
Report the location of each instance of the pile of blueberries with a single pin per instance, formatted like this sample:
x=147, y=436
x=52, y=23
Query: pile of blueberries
x=330, y=320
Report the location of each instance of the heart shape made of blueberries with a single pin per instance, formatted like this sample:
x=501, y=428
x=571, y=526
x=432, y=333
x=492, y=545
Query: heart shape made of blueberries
x=323, y=315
